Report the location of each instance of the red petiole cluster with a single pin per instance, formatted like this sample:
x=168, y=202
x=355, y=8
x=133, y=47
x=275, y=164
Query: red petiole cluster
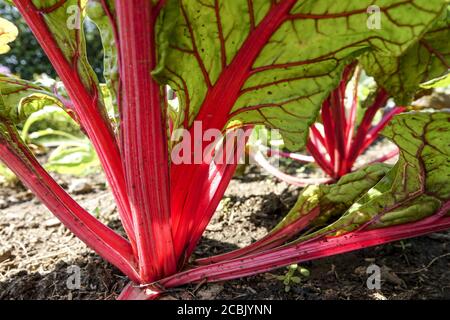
x=336, y=142
x=165, y=207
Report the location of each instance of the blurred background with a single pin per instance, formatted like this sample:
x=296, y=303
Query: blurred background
x=26, y=59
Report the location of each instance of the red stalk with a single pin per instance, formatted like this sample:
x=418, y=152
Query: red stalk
x=328, y=126
x=270, y=241
x=352, y=114
x=341, y=126
x=144, y=137
x=320, y=159
x=88, y=109
x=336, y=150
x=196, y=206
x=96, y=235
x=300, y=252
x=134, y=292
x=338, y=114
x=341, y=148
x=355, y=150
x=204, y=201
x=223, y=93
x=373, y=133
x=209, y=204
x=316, y=136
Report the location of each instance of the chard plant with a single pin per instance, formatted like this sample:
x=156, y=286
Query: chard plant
x=233, y=65
x=346, y=128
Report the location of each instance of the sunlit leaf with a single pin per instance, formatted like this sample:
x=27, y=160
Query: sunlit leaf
x=273, y=63
x=425, y=60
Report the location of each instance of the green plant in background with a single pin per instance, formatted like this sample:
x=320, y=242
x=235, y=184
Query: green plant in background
x=6, y=176
x=293, y=276
x=69, y=153
x=47, y=128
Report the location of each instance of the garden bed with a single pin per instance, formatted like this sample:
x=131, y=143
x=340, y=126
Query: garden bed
x=36, y=250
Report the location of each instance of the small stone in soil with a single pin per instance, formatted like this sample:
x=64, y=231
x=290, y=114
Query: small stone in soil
x=215, y=227
x=13, y=199
x=391, y=277
x=53, y=222
x=80, y=186
x=3, y=204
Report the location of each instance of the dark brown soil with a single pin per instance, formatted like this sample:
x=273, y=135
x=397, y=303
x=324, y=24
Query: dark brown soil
x=36, y=251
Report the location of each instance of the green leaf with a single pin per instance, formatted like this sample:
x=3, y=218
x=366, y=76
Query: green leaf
x=167, y=21
x=28, y=102
x=425, y=60
x=273, y=63
x=52, y=119
x=305, y=272
x=336, y=198
x=20, y=98
x=50, y=138
x=65, y=21
x=105, y=20
x=73, y=155
x=416, y=187
x=6, y=175
x=293, y=267
x=77, y=158
x=440, y=82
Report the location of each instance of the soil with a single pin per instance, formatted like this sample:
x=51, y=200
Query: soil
x=38, y=255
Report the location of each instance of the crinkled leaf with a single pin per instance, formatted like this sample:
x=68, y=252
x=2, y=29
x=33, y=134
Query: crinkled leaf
x=336, y=198
x=273, y=63
x=425, y=60
x=8, y=33
x=20, y=98
x=416, y=187
x=51, y=118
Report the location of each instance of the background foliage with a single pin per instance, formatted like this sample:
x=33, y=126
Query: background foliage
x=26, y=57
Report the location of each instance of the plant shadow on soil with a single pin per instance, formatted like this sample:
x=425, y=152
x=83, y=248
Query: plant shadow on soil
x=36, y=251
x=341, y=277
